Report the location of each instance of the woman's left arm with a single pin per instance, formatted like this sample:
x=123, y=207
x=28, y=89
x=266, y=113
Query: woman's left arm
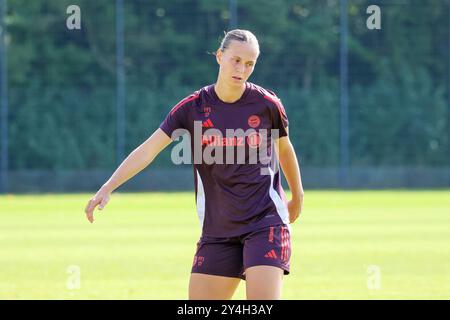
x=291, y=170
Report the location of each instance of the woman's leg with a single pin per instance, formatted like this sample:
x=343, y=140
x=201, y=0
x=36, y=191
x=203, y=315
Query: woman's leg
x=264, y=283
x=209, y=287
x=267, y=254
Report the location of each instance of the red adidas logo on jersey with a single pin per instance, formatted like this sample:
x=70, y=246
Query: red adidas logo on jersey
x=271, y=255
x=207, y=124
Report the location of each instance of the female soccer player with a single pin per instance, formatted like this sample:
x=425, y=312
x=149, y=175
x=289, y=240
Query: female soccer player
x=242, y=209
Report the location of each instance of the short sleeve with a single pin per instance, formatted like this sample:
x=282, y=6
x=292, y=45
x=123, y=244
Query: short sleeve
x=279, y=117
x=281, y=121
x=177, y=117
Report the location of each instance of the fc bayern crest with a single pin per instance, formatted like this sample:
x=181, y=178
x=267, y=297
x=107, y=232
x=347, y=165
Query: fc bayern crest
x=254, y=121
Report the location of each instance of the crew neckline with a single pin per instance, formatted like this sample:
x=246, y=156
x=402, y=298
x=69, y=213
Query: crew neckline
x=216, y=97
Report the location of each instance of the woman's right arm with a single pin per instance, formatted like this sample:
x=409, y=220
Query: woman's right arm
x=136, y=161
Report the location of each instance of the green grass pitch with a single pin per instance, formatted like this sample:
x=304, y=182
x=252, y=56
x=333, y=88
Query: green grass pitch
x=142, y=245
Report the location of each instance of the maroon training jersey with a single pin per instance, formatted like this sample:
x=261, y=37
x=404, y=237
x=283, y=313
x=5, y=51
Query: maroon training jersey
x=233, y=199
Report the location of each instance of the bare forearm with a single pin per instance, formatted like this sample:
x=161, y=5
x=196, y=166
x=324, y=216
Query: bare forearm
x=131, y=166
x=141, y=157
x=137, y=160
x=291, y=170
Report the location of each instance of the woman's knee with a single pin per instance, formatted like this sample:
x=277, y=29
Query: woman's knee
x=264, y=282
x=210, y=287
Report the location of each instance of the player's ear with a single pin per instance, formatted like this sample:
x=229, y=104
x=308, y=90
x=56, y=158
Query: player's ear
x=218, y=56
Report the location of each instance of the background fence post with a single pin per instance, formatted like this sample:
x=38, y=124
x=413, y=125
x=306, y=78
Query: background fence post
x=120, y=73
x=3, y=102
x=343, y=105
x=233, y=15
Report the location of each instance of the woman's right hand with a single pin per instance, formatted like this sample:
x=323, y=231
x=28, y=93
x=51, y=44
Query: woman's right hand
x=100, y=199
x=136, y=161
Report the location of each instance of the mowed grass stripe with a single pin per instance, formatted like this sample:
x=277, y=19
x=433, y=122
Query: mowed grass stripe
x=142, y=245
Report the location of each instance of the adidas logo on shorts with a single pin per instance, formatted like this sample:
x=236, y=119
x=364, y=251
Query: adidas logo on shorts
x=271, y=255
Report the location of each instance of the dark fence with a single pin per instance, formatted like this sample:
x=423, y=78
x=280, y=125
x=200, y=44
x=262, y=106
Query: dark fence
x=367, y=95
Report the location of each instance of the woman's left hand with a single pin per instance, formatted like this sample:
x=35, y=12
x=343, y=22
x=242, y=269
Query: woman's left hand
x=295, y=208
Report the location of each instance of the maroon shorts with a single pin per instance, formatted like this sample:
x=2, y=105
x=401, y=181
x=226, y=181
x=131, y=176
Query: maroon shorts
x=230, y=257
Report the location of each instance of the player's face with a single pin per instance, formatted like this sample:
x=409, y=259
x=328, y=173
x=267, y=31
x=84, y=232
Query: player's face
x=237, y=62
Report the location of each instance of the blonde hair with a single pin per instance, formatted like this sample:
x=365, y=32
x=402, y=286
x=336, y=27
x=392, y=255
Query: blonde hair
x=238, y=35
